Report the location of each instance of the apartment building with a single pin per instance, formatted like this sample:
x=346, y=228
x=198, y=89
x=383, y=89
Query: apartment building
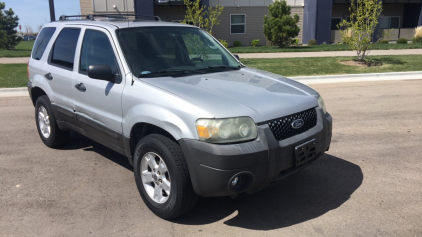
x=243, y=20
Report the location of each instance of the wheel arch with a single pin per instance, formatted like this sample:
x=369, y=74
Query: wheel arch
x=141, y=130
x=36, y=92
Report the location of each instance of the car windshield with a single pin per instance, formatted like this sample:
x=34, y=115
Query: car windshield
x=173, y=51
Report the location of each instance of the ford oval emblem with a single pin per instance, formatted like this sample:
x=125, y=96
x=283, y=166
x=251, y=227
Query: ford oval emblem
x=298, y=123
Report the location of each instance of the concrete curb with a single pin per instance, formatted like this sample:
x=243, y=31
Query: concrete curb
x=14, y=92
x=387, y=52
x=20, y=60
x=391, y=76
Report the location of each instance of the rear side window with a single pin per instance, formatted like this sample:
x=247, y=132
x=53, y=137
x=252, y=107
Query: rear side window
x=42, y=41
x=63, y=52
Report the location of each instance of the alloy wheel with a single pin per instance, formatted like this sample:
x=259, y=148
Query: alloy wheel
x=155, y=177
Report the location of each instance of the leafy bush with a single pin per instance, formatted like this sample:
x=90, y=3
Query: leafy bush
x=312, y=42
x=294, y=42
x=224, y=43
x=237, y=43
x=383, y=42
x=417, y=40
x=279, y=25
x=418, y=32
x=255, y=43
x=402, y=41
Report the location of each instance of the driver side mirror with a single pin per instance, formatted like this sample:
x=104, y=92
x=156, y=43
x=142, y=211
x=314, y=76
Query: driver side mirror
x=236, y=56
x=101, y=72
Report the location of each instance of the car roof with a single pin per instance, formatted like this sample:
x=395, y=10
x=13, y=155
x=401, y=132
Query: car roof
x=112, y=25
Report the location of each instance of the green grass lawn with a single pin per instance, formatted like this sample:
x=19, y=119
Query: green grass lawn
x=318, y=48
x=13, y=75
x=23, y=49
x=331, y=65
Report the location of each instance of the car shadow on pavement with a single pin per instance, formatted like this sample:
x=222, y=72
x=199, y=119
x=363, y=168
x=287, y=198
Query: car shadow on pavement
x=321, y=187
x=78, y=141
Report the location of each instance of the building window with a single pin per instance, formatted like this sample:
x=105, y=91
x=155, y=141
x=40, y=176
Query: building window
x=238, y=24
x=390, y=22
x=334, y=22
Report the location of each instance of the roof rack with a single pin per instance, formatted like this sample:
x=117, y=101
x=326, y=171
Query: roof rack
x=110, y=16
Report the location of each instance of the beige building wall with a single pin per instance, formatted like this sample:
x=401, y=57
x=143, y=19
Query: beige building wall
x=255, y=10
x=254, y=24
x=86, y=7
x=106, y=6
x=407, y=33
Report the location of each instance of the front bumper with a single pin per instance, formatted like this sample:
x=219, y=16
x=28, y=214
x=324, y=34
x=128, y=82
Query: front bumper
x=262, y=162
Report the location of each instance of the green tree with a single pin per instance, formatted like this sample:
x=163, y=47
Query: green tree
x=8, y=23
x=204, y=17
x=280, y=27
x=359, y=31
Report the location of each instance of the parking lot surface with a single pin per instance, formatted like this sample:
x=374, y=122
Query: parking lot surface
x=368, y=184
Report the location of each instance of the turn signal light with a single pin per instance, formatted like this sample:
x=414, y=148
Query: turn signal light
x=202, y=131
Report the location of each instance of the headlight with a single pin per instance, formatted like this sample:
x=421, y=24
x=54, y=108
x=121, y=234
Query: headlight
x=226, y=130
x=322, y=104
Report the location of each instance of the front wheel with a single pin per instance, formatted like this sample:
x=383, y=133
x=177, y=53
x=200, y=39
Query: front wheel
x=162, y=177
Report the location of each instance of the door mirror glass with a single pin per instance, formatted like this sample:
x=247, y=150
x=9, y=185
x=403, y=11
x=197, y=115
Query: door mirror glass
x=101, y=72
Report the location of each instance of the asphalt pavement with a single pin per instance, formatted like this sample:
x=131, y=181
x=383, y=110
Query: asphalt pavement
x=368, y=184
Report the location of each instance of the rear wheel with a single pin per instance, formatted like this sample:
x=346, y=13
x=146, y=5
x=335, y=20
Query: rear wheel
x=162, y=177
x=49, y=131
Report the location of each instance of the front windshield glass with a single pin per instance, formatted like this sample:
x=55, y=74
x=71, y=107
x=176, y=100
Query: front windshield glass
x=153, y=51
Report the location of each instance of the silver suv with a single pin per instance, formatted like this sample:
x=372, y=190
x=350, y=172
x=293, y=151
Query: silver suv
x=189, y=116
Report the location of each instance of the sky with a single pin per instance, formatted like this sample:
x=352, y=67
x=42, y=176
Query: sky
x=37, y=12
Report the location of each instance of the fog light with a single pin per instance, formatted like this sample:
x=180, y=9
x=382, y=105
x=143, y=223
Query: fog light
x=234, y=181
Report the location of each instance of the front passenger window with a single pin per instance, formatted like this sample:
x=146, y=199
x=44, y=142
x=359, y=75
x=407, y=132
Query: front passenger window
x=97, y=50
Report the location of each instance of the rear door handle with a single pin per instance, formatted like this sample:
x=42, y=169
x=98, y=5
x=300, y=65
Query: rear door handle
x=48, y=76
x=80, y=87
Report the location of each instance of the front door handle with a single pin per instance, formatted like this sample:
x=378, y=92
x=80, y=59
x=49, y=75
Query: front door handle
x=80, y=87
x=48, y=76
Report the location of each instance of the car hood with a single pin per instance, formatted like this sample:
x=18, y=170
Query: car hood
x=247, y=92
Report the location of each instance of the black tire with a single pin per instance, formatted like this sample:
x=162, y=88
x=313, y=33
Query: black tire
x=57, y=136
x=182, y=198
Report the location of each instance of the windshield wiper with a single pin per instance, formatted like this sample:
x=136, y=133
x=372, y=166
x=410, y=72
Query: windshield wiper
x=223, y=67
x=168, y=71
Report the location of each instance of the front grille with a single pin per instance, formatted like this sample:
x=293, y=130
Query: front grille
x=282, y=127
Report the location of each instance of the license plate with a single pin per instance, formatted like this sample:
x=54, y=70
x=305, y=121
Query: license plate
x=305, y=152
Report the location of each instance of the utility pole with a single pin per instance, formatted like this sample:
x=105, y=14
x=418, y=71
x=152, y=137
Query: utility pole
x=52, y=13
